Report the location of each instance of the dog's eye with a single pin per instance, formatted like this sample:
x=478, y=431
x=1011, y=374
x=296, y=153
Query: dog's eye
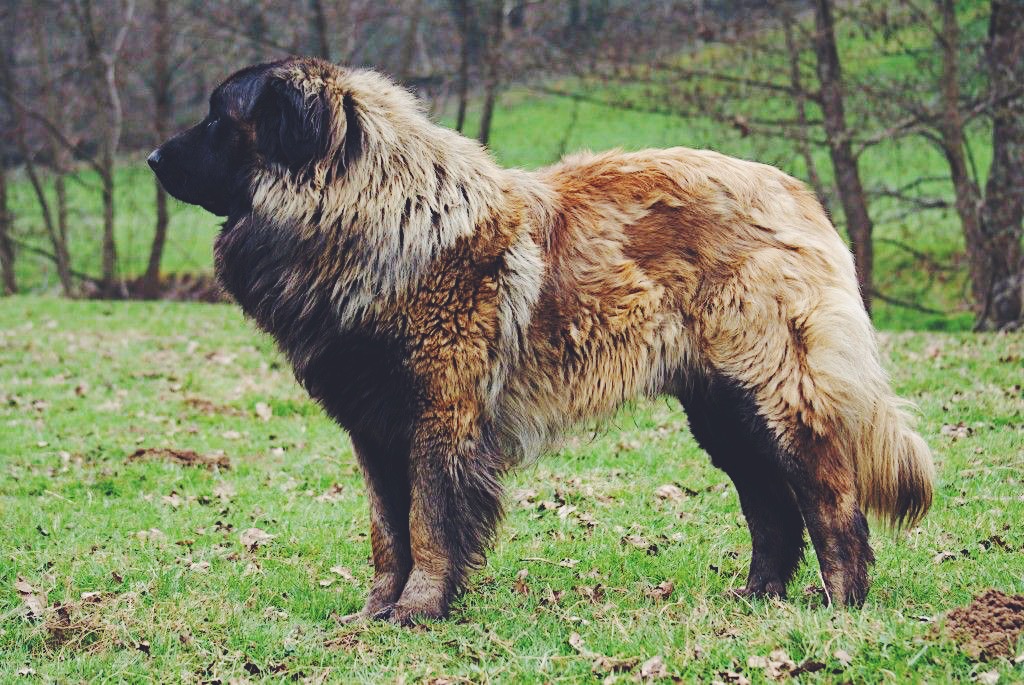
x=213, y=122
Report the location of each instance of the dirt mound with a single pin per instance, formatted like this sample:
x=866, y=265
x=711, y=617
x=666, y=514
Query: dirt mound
x=989, y=626
x=183, y=457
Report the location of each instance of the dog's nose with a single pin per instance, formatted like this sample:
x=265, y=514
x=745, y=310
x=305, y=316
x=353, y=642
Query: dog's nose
x=154, y=159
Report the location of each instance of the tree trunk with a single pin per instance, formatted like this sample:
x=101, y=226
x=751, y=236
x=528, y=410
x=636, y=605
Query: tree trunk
x=103, y=65
x=954, y=147
x=59, y=155
x=1001, y=305
x=411, y=39
x=844, y=163
x=461, y=9
x=10, y=283
x=493, y=71
x=161, y=126
x=323, y=47
x=60, y=248
x=800, y=100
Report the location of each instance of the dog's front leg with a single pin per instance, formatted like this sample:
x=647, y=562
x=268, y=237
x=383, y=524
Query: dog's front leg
x=455, y=505
x=385, y=469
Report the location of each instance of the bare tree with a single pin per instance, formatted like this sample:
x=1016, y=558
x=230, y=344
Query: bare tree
x=319, y=24
x=10, y=283
x=101, y=63
x=465, y=21
x=19, y=115
x=492, y=70
x=847, y=172
x=1001, y=294
x=161, y=89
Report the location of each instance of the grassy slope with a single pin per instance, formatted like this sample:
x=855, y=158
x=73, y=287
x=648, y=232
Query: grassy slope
x=187, y=376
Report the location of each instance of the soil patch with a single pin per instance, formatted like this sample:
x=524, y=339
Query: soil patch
x=989, y=626
x=183, y=457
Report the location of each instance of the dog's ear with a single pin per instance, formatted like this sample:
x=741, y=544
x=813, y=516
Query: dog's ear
x=292, y=127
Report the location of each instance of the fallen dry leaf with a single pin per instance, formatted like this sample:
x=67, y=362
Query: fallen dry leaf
x=263, y=411
x=843, y=657
x=224, y=491
x=987, y=678
x=344, y=572
x=653, y=668
x=332, y=494
x=661, y=591
x=254, y=537
x=640, y=542
x=30, y=597
x=520, y=582
x=670, y=492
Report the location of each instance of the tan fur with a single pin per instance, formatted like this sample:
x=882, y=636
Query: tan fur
x=533, y=301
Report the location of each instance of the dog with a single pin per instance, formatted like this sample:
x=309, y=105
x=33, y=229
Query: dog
x=455, y=317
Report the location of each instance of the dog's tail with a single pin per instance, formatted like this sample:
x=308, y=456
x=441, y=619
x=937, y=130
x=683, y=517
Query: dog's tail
x=895, y=474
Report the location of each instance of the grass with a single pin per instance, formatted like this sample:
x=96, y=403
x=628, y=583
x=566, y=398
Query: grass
x=86, y=384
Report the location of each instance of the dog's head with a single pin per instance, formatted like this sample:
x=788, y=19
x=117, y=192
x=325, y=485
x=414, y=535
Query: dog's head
x=284, y=118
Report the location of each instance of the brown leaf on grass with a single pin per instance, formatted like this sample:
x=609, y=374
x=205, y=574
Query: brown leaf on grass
x=776, y=666
x=331, y=494
x=207, y=407
x=254, y=537
x=943, y=556
x=843, y=657
x=670, y=492
x=653, y=668
x=182, y=457
x=732, y=677
x=520, y=585
x=552, y=597
x=224, y=491
x=640, y=542
x=987, y=677
x=344, y=572
x=26, y=671
x=263, y=411
x=957, y=431
x=662, y=591
x=595, y=593
x=30, y=598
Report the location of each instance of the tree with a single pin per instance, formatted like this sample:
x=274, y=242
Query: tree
x=101, y=65
x=161, y=89
x=492, y=70
x=844, y=164
x=10, y=283
x=1000, y=295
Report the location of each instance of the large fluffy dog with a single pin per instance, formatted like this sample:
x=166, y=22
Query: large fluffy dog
x=455, y=316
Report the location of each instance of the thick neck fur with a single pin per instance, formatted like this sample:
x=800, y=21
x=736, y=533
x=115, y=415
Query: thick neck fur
x=332, y=251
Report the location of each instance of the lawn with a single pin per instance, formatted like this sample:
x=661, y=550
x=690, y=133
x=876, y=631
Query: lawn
x=119, y=567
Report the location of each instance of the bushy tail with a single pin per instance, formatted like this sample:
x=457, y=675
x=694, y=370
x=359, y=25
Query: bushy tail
x=895, y=473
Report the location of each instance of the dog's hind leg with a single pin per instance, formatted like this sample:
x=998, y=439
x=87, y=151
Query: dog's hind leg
x=724, y=422
x=385, y=469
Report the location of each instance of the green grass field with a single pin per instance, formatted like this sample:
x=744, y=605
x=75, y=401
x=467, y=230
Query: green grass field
x=144, y=577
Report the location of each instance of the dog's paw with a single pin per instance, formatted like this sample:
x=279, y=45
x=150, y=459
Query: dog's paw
x=409, y=615
x=767, y=590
